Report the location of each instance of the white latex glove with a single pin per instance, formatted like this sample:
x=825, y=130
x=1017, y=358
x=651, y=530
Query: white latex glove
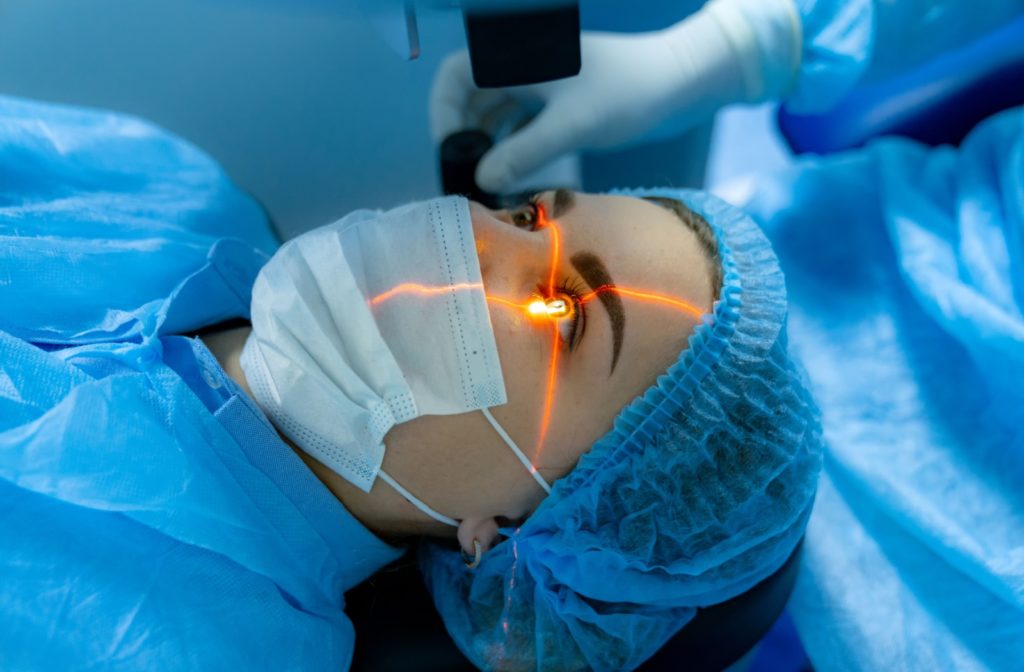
x=630, y=84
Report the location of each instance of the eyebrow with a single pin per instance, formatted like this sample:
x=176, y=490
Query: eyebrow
x=564, y=201
x=595, y=273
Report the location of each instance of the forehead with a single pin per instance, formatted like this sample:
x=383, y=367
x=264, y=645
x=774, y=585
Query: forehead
x=621, y=219
x=641, y=242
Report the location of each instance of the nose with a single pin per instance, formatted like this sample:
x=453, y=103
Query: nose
x=491, y=229
x=511, y=258
x=488, y=224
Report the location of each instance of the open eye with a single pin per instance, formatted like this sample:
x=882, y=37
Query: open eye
x=572, y=321
x=528, y=215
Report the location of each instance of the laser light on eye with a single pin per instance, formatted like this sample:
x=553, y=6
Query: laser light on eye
x=553, y=308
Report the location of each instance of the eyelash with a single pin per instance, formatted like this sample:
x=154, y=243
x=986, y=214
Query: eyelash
x=568, y=287
x=573, y=290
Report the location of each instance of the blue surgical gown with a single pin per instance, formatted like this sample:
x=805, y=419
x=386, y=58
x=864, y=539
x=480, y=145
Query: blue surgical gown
x=850, y=42
x=150, y=517
x=905, y=268
x=905, y=272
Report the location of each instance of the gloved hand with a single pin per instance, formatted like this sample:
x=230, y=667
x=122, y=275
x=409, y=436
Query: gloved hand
x=630, y=84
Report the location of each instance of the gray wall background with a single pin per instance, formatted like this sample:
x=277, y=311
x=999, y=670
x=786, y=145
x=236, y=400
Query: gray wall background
x=303, y=104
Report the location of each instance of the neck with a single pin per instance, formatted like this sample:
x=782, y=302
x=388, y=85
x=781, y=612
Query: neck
x=226, y=345
x=381, y=511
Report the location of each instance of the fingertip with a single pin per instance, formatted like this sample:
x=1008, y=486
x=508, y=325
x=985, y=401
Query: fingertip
x=449, y=95
x=519, y=155
x=492, y=173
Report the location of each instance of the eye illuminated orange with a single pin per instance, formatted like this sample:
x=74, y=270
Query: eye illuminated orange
x=542, y=216
x=537, y=308
x=550, y=308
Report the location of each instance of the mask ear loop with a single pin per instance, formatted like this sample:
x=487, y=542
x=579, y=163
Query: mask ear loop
x=416, y=501
x=440, y=517
x=515, y=449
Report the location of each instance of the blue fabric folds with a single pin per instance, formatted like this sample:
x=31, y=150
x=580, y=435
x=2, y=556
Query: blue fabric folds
x=905, y=269
x=90, y=197
x=701, y=489
x=846, y=42
x=150, y=517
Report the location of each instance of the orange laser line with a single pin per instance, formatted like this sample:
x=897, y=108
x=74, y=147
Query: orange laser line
x=423, y=290
x=556, y=248
x=549, y=395
x=537, y=307
x=542, y=215
x=646, y=296
x=508, y=302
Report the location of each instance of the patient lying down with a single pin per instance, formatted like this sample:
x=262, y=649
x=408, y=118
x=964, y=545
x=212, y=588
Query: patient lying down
x=585, y=405
x=580, y=303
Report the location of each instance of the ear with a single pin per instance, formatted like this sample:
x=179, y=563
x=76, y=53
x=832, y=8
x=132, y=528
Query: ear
x=484, y=530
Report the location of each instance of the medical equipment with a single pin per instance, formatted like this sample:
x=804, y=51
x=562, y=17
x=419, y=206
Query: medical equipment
x=460, y=153
x=522, y=43
x=701, y=490
x=633, y=85
x=510, y=42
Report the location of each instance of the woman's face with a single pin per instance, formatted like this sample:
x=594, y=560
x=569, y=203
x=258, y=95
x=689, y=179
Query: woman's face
x=615, y=343
x=636, y=281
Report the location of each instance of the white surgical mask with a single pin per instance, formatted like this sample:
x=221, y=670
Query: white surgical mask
x=369, y=322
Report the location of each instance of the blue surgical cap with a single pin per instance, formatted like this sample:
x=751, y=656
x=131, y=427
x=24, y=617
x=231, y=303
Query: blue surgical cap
x=701, y=489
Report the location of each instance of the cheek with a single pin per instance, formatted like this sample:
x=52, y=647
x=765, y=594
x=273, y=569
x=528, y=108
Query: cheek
x=524, y=352
x=516, y=342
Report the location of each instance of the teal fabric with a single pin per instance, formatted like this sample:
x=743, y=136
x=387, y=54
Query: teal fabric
x=846, y=42
x=150, y=516
x=701, y=490
x=905, y=270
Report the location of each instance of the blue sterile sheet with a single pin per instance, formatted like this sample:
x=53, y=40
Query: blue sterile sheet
x=905, y=271
x=150, y=517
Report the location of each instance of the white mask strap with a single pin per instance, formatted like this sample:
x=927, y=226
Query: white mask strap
x=441, y=518
x=515, y=449
x=416, y=501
